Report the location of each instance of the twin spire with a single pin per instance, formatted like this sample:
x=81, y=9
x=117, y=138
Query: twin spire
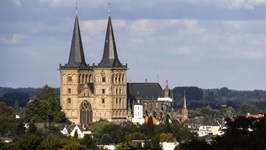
x=76, y=56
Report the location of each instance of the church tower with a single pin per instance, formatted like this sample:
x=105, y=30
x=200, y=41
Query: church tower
x=76, y=82
x=184, y=109
x=110, y=83
x=166, y=90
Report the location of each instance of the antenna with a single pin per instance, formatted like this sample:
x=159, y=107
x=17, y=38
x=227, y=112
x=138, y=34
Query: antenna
x=109, y=9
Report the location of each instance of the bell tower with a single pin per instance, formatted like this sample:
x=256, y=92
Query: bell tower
x=184, y=109
x=110, y=82
x=75, y=99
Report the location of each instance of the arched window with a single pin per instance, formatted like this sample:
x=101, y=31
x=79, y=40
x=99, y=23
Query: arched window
x=69, y=78
x=85, y=113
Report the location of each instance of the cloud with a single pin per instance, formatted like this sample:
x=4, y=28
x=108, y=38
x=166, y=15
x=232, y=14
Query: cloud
x=182, y=50
x=13, y=39
x=72, y=3
x=17, y=2
x=228, y=4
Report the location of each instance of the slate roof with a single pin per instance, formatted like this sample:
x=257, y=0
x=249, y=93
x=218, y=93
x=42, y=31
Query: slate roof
x=144, y=91
x=76, y=56
x=110, y=57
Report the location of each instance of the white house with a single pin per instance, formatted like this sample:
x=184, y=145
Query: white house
x=138, y=113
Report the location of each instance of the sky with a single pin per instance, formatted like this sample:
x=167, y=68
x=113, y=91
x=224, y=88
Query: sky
x=203, y=43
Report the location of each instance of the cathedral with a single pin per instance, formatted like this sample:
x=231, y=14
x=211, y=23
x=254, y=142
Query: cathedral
x=91, y=92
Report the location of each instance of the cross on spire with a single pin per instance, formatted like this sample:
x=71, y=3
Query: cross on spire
x=109, y=9
x=76, y=7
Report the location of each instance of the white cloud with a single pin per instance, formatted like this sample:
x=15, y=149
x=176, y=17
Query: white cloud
x=17, y=2
x=192, y=26
x=143, y=27
x=72, y=3
x=182, y=50
x=14, y=39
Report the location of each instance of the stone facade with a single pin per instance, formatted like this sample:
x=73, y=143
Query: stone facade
x=91, y=92
x=88, y=93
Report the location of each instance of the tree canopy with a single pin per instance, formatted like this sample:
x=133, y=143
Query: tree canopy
x=5, y=111
x=45, y=107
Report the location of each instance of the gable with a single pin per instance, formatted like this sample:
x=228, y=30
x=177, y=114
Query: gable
x=87, y=90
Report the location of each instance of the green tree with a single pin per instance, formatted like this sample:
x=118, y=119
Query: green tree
x=197, y=144
x=167, y=137
x=105, y=139
x=126, y=146
x=89, y=142
x=136, y=136
x=20, y=128
x=11, y=97
x=2, y=144
x=180, y=132
x=28, y=142
x=45, y=107
x=248, y=108
x=32, y=128
x=52, y=142
x=97, y=129
x=73, y=145
x=152, y=144
x=5, y=111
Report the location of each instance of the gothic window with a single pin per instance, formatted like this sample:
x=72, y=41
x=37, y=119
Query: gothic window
x=69, y=78
x=90, y=78
x=69, y=100
x=103, y=91
x=83, y=78
x=103, y=77
x=69, y=90
x=80, y=78
x=85, y=113
x=87, y=78
x=103, y=101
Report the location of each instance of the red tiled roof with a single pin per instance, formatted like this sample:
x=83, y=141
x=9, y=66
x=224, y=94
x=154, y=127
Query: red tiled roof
x=154, y=120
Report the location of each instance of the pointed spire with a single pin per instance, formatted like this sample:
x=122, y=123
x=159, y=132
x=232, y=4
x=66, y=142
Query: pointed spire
x=166, y=90
x=110, y=57
x=76, y=56
x=166, y=86
x=185, y=101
